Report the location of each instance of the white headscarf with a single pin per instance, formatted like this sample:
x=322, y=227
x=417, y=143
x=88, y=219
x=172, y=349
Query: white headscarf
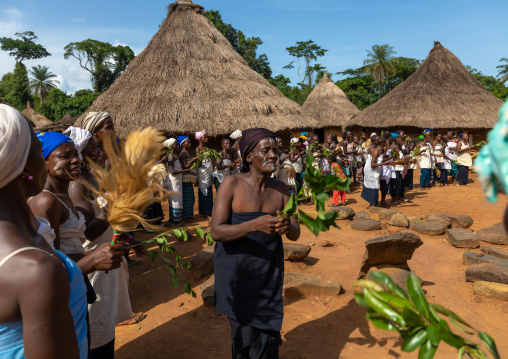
x=94, y=119
x=169, y=143
x=15, y=141
x=294, y=140
x=80, y=138
x=236, y=135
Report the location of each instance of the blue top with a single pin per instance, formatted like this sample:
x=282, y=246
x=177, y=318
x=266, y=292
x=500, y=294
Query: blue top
x=11, y=334
x=249, y=274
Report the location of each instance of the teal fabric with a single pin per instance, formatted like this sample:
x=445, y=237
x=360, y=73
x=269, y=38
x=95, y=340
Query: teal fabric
x=11, y=341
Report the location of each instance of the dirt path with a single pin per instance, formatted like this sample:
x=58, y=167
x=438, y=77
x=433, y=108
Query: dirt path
x=179, y=326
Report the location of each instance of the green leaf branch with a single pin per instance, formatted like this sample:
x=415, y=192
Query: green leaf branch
x=207, y=154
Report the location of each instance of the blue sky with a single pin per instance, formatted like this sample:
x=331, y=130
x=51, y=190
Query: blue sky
x=473, y=30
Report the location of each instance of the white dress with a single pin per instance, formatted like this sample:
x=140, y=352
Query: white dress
x=424, y=158
x=174, y=184
x=205, y=176
x=371, y=175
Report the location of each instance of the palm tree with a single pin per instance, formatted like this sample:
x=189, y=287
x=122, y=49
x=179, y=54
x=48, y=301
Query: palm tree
x=379, y=63
x=503, y=71
x=42, y=82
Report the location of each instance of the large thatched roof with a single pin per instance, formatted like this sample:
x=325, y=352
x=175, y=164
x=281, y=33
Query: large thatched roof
x=35, y=117
x=329, y=105
x=188, y=78
x=66, y=121
x=440, y=94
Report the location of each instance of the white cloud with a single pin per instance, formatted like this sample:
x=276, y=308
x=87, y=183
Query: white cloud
x=78, y=19
x=11, y=21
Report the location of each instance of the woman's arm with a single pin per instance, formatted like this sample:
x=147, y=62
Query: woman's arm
x=45, y=205
x=171, y=166
x=95, y=226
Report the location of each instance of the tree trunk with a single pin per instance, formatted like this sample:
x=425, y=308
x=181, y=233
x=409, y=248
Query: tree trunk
x=379, y=91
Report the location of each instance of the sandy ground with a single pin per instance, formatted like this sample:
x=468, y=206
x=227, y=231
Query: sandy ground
x=179, y=326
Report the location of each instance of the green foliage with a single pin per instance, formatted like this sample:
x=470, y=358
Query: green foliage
x=42, y=82
x=14, y=87
x=23, y=48
x=497, y=88
x=58, y=103
x=308, y=52
x=503, y=70
x=379, y=63
x=103, y=61
x=246, y=47
x=420, y=324
x=207, y=154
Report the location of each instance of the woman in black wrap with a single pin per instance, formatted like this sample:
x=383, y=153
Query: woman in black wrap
x=249, y=258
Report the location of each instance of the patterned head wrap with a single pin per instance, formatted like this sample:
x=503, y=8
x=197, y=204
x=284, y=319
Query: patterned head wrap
x=236, y=135
x=491, y=164
x=250, y=139
x=80, y=137
x=181, y=139
x=51, y=141
x=169, y=143
x=94, y=119
x=427, y=131
x=198, y=135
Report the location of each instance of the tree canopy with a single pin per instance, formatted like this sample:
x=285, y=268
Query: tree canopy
x=379, y=63
x=58, y=103
x=308, y=52
x=14, y=87
x=503, y=70
x=24, y=48
x=43, y=81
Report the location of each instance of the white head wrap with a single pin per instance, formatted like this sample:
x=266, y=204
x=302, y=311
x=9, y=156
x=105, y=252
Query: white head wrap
x=94, y=119
x=80, y=138
x=373, y=134
x=236, y=135
x=15, y=142
x=294, y=140
x=169, y=143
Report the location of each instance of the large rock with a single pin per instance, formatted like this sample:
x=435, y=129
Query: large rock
x=487, y=272
x=441, y=219
x=457, y=220
x=430, y=228
x=492, y=290
x=399, y=275
x=387, y=213
x=496, y=252
x=366, y=225
x=362, y=215
x=399, y=220
x=469, y=258
x=495, y=234
x=299, y=285
x=344, y=212
x=208, y=291
x=295, y=252
x=462, y=238
x=394, y=249
x=202, y=263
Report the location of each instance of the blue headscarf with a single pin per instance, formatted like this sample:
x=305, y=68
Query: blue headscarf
x=394, y=134
x=51, y=141
x=427, y=131
x=181, y=139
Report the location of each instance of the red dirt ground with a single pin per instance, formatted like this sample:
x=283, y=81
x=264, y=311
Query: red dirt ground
x=179, y=326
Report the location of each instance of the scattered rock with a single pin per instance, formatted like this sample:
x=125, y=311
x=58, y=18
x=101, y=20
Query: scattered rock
x=295, y=252
x=387, y=213
x=430, y=228
x=457, y=220
x=372, y=209
x=327, y=243
x=399, y=220
x=440, y=219
x=462, y=238
x=394, y=249
x=207, y=291
x=487, y=272
x=496, y=252
x=478, y=299
x=362, y=215
x=469, y=258
x=202, y=263
x=366, y=225
x=298, y=285
x=492, y=290
x=344, y=212
x=495, y=234
x=399, y=275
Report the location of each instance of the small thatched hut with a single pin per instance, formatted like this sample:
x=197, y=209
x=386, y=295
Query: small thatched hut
x=441, y=94
x=329, y=106
x=59, y=126
x=190, y=78
x=35, y=117
x=2, y=102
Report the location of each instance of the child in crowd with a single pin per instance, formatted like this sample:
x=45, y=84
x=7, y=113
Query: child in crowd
x=336, y=170
x=347, y=169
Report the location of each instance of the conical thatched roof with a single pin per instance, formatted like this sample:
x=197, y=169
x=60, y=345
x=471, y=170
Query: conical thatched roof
x=2, y=102
x=188, y=78
x=35, y=117
x=61, y=125
x=329, y=105
x=440, y=94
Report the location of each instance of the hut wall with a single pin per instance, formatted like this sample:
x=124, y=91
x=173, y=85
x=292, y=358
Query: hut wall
x=333, y=130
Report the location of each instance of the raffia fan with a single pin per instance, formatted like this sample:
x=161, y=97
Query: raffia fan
x=129, y=186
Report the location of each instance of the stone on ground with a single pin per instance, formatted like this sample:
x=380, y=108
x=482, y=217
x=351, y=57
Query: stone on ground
x=202, y=263
x=462, y=238
x=366, y=225
x=492, y=290
x=387, y=213
x=362, y=215
x=469, y=258
x=430, y=228
x=299, y=285
x=441, y=219
x=344, y=212
x=394, y=249
x=496, y=252
x=399, y=275
x=295, y=252
x=458, y=220
x=372, y=209
x=207, y=291
x=487, y=272
x=495, y=234
x=399, y=220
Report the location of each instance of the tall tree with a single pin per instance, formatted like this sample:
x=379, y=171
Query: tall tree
x=495, y=87
x=308, y=52
x=103, y=61
x=379, y=63
x=16, y=87
x=502, y=75
x=23, y=48
x=43, y=81
x=246, y=47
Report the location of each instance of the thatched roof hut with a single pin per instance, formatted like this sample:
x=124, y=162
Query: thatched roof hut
x=2, y=102
x=61, y=125
x=188, y=78
x=441, y=94
x=35, y=117
x=329, y=105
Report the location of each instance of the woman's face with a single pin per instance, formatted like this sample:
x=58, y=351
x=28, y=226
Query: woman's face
x=279, y=143
x=329, y=139
x=35, y=167
x=263, y=158
x=355, y=139
x=175, y=147
x=465, y=136
x=63, y=163
x=439, y=137
x=106, y=129
x=204, y=138
x=349, y=135
x=226, y=145
x=92, y=152
x=186, y=143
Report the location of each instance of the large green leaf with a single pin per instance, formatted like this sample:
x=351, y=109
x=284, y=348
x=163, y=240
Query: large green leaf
x=395, y=300
x=290, y=208
x=448, y=336
x=412, y=318
x=417, y=295
x=433, y=334
x=440, y=309
x=490, y=344
x=200, y=233
x=414, y=341
x=318, y=225
x=365, y=283
x=427, y=350
x=388, y=282
x=382, y=308
x=319, y=200
x=360, y=300
x=380, y=322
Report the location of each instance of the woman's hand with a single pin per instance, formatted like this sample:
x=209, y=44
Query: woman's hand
x=271, y=225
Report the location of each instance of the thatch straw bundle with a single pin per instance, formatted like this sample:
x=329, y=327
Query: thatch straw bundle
x=440, y=94
x=64, y=123
x=329, y=105
x=188, y=78
x=35, y=117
